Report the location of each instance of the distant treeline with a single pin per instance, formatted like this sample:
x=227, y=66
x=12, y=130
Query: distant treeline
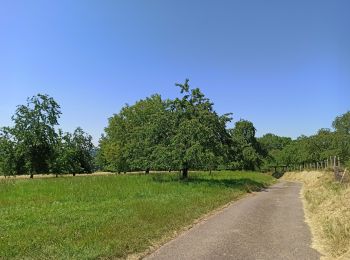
x=159, y=134
x=305, y=150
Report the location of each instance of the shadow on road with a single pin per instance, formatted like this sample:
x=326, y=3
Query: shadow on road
x=248, y=184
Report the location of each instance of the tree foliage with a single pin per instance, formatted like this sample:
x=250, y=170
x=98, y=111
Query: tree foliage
x=181, y=134
x=247, y=151
x=34, y=146
x=317, y=148
x=158, y=134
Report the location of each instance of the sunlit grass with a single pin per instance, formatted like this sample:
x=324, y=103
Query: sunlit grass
x=327, y=206
x=108, y=216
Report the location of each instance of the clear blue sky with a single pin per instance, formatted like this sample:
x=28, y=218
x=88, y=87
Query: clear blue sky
x=284, y=65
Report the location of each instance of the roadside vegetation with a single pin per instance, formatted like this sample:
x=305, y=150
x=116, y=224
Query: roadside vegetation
x=109, y=216
x=327, y=211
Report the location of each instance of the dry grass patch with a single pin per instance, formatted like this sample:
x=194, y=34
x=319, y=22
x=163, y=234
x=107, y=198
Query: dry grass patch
x=327, y=208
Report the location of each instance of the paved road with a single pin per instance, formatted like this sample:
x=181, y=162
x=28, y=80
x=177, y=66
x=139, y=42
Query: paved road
x=268, y=225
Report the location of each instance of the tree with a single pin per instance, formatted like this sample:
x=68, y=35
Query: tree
x=148, y=126
x=248, y=153
x=34, y=131
x=272, y=145
x=74, y=153
x=135, y=137
x=165, y=134
x=200, y=135
x=341, y=123
x=270, y=142
x=7, y=153
x=112, y=155
x=34, y=146
x=81, y=144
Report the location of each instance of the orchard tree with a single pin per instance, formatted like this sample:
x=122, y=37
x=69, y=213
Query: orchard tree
x=112, y=153
x=270, y=142
x=200, y=138
x=248, y=153
x=7, y=153
x=83, y=148
x=74, y=153
x=34, y=131
x=272, y=145
x=148, y=127
x=64, y=155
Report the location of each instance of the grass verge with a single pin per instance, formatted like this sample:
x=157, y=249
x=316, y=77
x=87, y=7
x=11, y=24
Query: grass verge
x=108, y=216
x=327, y=208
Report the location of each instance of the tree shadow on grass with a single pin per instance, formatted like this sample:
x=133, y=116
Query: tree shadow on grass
x=246, y=184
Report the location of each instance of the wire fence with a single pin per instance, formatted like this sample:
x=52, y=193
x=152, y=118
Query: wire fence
x=332, y=163
x=341, y=175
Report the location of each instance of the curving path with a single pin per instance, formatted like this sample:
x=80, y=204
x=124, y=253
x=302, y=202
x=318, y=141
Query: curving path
x=268, y=225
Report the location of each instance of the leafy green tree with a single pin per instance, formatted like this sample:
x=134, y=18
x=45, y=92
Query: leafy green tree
x=7, y=153
x=200, y=138
x=74, y=153
x=112, y=153
x=341, y=123
x=81, y=144
x=165, y=134
x=272, y=146
x=135, y=136
x=34, y=131
x=270, y=142
x=148, y=124
x=248, y=153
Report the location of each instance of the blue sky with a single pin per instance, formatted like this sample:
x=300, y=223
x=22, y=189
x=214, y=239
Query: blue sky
x=284, y=65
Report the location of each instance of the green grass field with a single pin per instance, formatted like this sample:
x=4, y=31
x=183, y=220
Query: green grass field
x=108, y=216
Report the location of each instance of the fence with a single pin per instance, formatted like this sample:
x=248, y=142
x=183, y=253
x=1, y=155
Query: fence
x=332, y=163
x=341, y=175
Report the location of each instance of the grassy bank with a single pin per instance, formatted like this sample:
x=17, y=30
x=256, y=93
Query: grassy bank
x=108, y=216
x=327, y=206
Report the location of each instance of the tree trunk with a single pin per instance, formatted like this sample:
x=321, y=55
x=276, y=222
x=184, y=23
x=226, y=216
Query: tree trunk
x=56, y=175
x=31, y=176
x=184, y=173
x=73, y=173
x=147, y=171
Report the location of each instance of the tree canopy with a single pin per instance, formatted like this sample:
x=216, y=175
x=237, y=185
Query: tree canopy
x=34, y=146
x=182, y=133
x=159, y=134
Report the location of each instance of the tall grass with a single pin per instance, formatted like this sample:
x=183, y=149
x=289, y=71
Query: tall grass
x=108, y=216
x=327, y=205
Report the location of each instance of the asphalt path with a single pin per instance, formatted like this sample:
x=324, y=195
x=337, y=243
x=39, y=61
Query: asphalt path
x=266, y=225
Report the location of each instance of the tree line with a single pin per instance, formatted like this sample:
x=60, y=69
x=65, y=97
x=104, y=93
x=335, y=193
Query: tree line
x=187, y=133
x=158, y=134
x=34, y=145
x=177, y=134
x=310, y=150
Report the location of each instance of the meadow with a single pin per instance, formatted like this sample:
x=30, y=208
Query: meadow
x=109, y=216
